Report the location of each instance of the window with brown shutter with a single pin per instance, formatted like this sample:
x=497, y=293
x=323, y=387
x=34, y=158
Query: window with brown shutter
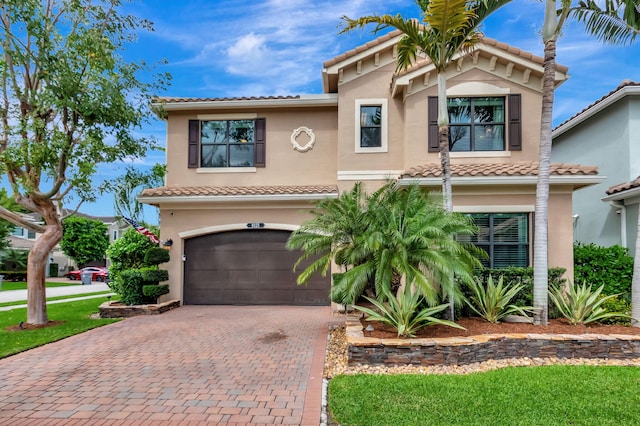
x=515, y=124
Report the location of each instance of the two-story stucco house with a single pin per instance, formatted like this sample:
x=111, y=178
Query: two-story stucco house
x=606, y=134
x=242, y=172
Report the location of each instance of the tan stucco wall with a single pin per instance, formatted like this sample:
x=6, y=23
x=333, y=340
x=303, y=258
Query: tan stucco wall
x=284, y=165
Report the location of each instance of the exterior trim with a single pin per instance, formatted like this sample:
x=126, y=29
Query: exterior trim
x=226, y=170
x=495, y=209
x=623, y=195
x=479, y=154
x=233, y=227
x=234, y=116
x=368, y=174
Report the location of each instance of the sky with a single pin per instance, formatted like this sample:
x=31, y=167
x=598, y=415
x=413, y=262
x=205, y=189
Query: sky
x=228, y=48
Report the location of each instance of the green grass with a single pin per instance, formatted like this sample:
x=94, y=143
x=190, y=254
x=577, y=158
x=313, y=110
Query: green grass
x=23, y=302
x=76, y=317
x=22, y=285
x=547, y=395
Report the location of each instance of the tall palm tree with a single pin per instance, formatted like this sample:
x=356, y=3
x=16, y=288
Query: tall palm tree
x=403, y=236
x=447, y=28
x=616, y=23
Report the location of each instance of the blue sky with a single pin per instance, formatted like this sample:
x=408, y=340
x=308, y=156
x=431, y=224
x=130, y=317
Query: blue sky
x=218, y=48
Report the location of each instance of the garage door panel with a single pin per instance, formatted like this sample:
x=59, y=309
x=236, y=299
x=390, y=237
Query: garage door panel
x=247, y=267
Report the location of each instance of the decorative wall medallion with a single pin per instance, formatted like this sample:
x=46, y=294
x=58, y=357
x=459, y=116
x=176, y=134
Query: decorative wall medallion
x=297, y=132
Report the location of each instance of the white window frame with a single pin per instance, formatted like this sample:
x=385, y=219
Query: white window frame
x=383, y=103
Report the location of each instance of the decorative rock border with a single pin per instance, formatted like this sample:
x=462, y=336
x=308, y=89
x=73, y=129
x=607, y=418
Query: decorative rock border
x=476, y=349
x=118, y=310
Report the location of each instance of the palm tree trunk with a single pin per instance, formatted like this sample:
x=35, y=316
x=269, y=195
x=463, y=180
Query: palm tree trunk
x=37, y=264
x=540, y=243
x=635, y=282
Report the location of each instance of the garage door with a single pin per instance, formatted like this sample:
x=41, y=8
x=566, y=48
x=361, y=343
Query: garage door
x=251, y=267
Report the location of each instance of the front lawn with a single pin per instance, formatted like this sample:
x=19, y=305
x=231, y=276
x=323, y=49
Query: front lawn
x=546, y=395
x=76, y=317
x=22, y=285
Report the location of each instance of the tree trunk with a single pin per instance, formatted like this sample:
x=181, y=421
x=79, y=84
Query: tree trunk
x=37, y=264
x=540, y=243
x=635, y=282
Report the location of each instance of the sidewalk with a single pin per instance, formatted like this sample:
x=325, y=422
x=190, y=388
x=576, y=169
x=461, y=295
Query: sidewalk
x=85, y=291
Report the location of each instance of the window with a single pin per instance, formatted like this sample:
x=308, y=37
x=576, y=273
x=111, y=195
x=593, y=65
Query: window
x=505, y=238
x=31, y=235
x=476, y=124
x=371, y=125
x=18, y=231
x=226, y=143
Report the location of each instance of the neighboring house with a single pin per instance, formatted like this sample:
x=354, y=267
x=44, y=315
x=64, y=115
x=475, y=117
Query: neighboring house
x=606, y=134
x=242, y=172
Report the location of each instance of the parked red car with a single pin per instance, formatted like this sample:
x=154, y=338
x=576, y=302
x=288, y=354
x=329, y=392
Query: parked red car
x=99, y=273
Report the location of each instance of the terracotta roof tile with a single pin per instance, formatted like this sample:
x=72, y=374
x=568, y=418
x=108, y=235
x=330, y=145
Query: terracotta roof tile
x=245, y=98
x=485, y=40
x=186, y=191
x=621, y=187
x=623, y=84
x=497, y=169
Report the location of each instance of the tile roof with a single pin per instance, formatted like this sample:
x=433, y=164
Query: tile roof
x=622, y=85
x=245, y=98
x=486, y=40
x=621, y=187
x=497, y=169
x=190, y=191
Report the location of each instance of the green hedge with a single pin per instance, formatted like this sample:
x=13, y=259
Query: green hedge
x=14, y=275
x=154, y=291
x=608, y=266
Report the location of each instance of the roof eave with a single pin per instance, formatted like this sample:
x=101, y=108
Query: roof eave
x=198, y=199
x=575, y=181
x=596, y=108
x=321, y=100
x=622, y=195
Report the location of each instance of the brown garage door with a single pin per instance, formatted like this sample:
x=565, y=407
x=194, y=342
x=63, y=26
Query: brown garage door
x=251, y=267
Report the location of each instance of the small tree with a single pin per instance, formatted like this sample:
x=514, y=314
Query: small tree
x=127, y=252
x=152, y=275
x=84, y=240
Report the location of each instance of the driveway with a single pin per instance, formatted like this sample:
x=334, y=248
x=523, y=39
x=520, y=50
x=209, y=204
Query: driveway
x=196, y=364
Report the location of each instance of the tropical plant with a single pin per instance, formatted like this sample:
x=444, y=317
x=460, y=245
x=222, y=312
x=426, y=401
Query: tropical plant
x=84, y=240
x=399, y=234
x=69, y=101
x=582, y=305
x=447, y=28
x=618, y=22
x=492, y=302
x=125, y=189
x=403, y=312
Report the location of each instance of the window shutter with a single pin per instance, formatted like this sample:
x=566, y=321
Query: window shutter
x=194, y=142
x=260, y=142
x=432, y=112
x=515, y=124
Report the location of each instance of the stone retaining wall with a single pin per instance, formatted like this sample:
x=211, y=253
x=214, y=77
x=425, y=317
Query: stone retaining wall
x=468, y=350
x=118, y=310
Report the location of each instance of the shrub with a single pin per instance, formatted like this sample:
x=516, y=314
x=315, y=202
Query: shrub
x=130, y=288
x=610, y=267
x=492, y=301
x=154, y=291
x=616, y=304
x=403, y=312
x=153, y=275
x=582, y=305
x=156, y=256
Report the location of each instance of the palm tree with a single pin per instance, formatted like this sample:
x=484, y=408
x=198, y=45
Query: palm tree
x=617, y=23
x=448, y=28
x=403, y=236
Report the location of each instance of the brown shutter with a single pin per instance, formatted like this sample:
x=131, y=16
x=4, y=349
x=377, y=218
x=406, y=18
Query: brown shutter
x=194, y=144
x=260, y=153
x=432, y=113
x=515, y=124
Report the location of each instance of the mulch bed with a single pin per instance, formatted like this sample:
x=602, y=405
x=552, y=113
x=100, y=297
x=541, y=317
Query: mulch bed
x=25, y=326
x=479, y=326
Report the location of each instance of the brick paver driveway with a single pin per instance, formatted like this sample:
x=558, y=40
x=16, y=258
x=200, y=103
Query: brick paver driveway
x=192, y=365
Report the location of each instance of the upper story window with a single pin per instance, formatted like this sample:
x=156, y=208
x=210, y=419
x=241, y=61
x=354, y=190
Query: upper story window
x=227, y=143
x=371, y=125
x=18, y=231
x=476, y=124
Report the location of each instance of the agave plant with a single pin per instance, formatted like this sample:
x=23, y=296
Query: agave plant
x=492, y=302
x=582, y=305
x=402, y=312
